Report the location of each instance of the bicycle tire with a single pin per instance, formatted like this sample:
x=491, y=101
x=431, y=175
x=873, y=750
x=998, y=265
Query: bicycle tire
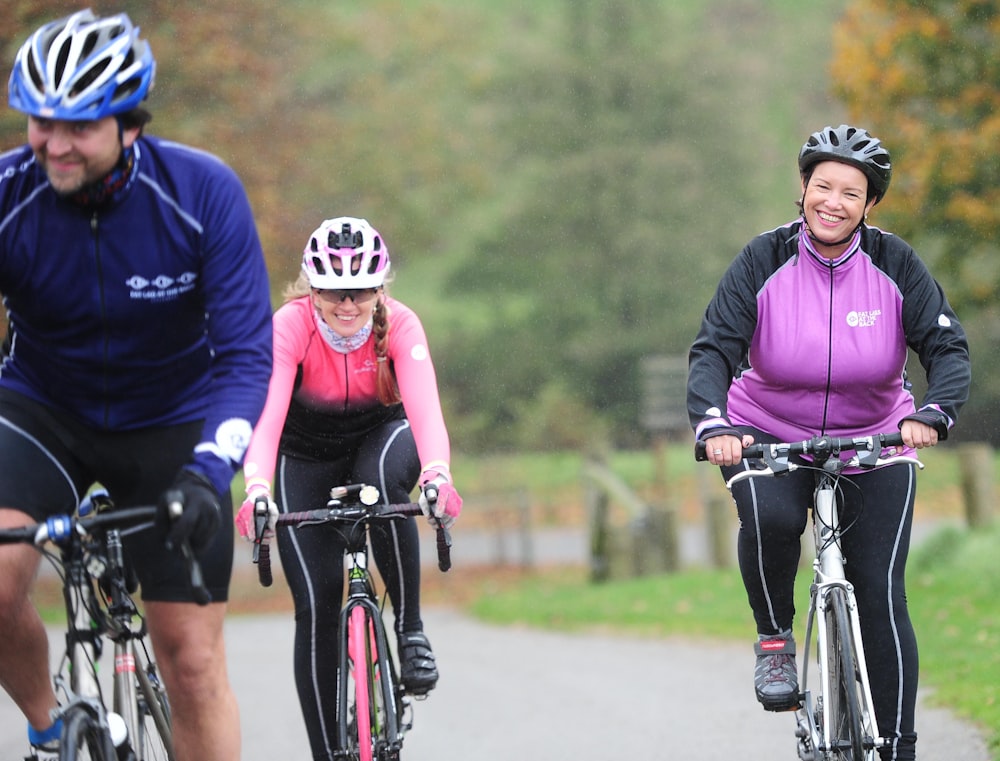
x=83, y=738
x=386, y=699
x=155, y=741
x=358, y=650
x=847, y=741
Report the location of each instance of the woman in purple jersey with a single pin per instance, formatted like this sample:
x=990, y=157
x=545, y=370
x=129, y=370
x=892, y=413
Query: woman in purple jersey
x=807, y=335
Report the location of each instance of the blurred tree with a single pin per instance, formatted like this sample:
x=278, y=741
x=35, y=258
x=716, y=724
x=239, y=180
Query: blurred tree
x=924, y=75
x=617, y=170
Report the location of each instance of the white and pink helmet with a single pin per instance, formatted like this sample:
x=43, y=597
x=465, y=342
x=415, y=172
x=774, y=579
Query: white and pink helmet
x=345, y=252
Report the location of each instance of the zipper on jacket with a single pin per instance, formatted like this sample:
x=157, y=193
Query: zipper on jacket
x=95, y=232
x=347, y=383
x=829, y=349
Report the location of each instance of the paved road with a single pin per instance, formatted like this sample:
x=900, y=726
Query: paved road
x=513, y=693
x=516, y=693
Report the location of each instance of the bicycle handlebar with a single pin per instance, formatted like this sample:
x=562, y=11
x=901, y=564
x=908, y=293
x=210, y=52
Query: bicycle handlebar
x=59, y=528
x=820, y=447
x=867, y=449
x=351, y=510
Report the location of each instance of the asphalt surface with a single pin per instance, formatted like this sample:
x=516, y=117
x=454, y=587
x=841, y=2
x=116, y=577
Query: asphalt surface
x=517, y=693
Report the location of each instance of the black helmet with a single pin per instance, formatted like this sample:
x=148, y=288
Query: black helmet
x=849, y=145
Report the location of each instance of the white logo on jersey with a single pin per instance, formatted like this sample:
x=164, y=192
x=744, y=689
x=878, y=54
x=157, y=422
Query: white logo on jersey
x=163, y=287
x=863, y=319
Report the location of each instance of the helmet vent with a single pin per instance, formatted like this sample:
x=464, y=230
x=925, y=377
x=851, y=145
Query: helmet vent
x=36, y=78
x=89, y=44
x=91, y=76
x=318, y=265
x=374, y=264
x=61, y=61
x=356, y=264
x=126, y=88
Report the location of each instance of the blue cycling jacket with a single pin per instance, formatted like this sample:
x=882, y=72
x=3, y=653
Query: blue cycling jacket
x=153, y=310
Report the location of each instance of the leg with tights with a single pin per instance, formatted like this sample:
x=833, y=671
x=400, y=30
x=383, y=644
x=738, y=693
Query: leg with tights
x=773, y=514
x=876, y=547
x=388, y=458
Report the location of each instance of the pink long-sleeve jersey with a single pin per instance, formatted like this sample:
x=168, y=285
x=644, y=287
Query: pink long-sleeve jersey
x=337, y=388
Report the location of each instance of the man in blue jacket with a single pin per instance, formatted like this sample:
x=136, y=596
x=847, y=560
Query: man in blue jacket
x=138, y=356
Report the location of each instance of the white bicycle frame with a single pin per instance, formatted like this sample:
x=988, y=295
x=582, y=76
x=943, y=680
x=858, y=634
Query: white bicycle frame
x=828, y=572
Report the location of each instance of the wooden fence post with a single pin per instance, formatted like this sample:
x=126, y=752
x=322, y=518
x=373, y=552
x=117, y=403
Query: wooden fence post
x=976, y=466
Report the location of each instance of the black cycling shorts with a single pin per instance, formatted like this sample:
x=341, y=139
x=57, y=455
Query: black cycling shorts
x=48, y=461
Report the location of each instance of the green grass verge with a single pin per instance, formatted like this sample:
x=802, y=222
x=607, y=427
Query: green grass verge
x=952, y=587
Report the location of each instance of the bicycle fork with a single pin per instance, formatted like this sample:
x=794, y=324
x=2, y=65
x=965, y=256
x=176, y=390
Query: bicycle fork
x=814, y=723
x=370, y=662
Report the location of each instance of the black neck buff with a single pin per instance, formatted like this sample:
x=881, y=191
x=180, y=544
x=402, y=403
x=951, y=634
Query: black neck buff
x=99, y=193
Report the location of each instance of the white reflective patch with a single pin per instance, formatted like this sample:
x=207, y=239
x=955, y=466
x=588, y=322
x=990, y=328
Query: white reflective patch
x=233, y=437
x=944, y=321
x=419, y=352
x=713, y=412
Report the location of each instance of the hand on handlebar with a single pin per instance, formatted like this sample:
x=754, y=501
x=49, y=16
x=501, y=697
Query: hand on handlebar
x=725, y=449
x=201, y=514
x=917, y=434
x=439, y=500
x=257, y=513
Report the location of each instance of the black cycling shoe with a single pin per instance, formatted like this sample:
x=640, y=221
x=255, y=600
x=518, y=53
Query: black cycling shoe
x=418, y=668
x=775, y=679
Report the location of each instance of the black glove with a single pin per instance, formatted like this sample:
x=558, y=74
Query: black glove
x=933, y=418
x=201, y=516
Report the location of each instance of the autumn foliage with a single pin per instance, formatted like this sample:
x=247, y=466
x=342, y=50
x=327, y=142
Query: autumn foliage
x=925, y=77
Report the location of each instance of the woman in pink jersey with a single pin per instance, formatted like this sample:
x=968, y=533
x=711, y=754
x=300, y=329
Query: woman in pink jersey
x=353, y=398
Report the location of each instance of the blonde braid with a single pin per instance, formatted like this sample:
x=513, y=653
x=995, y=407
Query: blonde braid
x=385, y=380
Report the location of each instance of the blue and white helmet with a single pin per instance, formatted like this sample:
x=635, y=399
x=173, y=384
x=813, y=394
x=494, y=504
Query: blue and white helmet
x=82, y=68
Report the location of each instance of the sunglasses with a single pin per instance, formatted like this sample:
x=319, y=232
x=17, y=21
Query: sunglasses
x=337, y=295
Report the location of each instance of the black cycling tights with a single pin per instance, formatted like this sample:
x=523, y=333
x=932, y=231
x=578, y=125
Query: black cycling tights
x=312, y=560
x=878, y=508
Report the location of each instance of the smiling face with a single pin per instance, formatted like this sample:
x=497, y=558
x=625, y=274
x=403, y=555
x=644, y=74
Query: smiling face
x=75, y=154
x=345, y=311
x=834, y=203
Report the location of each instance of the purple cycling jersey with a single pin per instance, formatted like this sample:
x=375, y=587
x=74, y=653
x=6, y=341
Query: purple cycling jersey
x=798, y=345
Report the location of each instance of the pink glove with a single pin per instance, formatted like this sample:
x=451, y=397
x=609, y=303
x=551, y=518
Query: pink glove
x=245, y=517
x=438, y=499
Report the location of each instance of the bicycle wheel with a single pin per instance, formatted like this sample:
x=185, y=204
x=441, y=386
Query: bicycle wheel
x=155, y=737
x=847, y=740
x=358, y=652
x=83, y=738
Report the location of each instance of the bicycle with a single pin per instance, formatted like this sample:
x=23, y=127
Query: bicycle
x=373, y=710
x=97, y=594
x=838, y=722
